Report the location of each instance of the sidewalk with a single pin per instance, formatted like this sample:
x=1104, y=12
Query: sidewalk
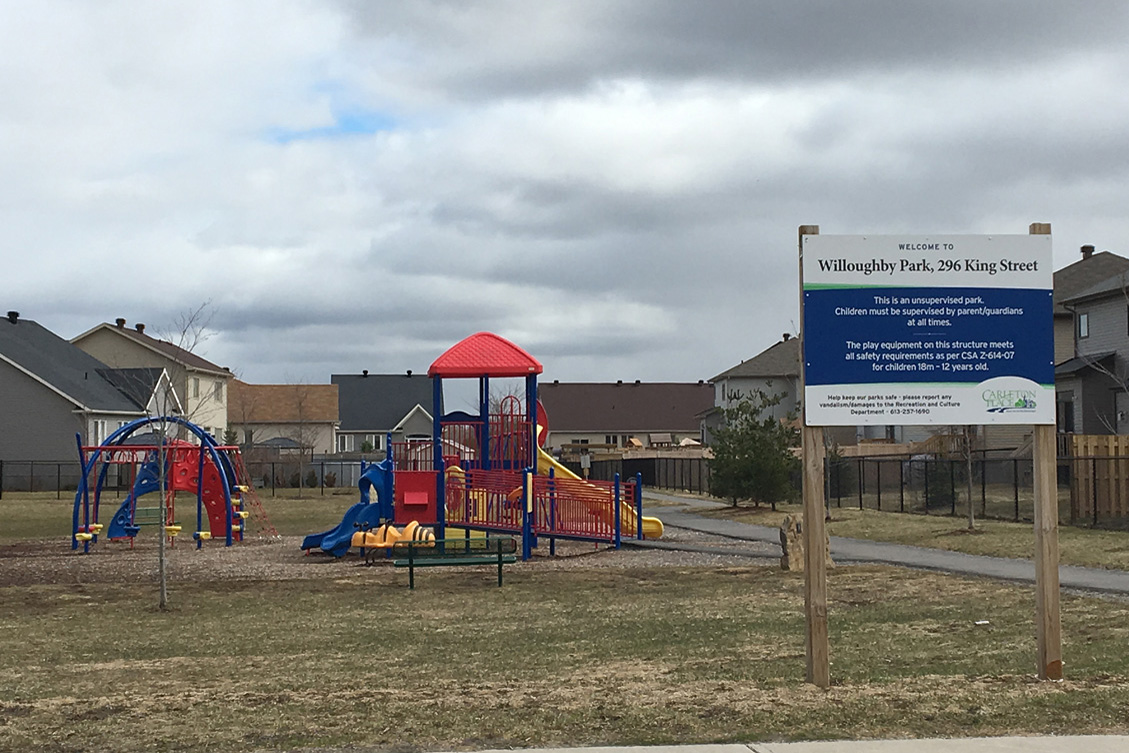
x=861, y=550
x=1065, y=744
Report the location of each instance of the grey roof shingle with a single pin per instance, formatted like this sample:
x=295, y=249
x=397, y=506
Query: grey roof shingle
x=62, y=365
x=1084, y=275
x=137, y=384
x=377, y=402
x=1082, y=363
x=779, y=360
x=1117, y=284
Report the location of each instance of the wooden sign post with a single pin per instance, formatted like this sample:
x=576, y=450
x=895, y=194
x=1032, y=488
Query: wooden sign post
x=1048, y=629
x=817, y=640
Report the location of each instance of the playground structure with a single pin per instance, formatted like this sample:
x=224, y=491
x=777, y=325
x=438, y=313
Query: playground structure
x=215, y=474
x=488, y=472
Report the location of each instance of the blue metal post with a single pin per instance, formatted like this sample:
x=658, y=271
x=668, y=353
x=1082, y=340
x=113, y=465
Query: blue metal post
x=81, y=494
x=388, y=496
x=552, y=511
x=618, y=513
x=526, y=516
x=484, y=418
x=200, y=499
x=531, y=410
x=639, y=506
x=437, y=456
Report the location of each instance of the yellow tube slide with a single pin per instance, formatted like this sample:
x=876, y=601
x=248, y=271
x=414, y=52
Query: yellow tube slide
x=652, y=527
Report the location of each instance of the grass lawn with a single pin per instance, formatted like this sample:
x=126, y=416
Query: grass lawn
x=38, y=515
x=590, y=656
x=1077, y=546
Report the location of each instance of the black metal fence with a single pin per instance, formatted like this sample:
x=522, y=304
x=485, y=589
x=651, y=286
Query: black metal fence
x=1092, y=491
x=680, y=474
x=271, y=476
x=39, y=476
x=61, y=477
x=1000, y=489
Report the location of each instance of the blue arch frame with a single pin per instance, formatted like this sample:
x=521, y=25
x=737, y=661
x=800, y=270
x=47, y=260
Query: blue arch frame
x=82, y=496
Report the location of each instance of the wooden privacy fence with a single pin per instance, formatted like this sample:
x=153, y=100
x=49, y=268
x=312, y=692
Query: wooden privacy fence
x=1099, y=488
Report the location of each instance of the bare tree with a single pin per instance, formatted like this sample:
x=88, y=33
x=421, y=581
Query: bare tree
x=192, y=328
x=188, y=331
x=303, y=431
x=968, y=434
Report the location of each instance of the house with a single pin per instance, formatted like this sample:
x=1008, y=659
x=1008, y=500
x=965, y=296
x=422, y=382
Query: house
x=654, y=414
x=1092, y=344
x=291, y=416
x=775, y=372
x=372, y=406
x=1071, y=281
x=201, y=384
x=51, y=390
x=1091, y=386
x=1093, y=269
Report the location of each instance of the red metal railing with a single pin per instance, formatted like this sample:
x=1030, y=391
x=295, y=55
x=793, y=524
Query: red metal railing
x=485, y=499
x=420, y=455
x=579, y=509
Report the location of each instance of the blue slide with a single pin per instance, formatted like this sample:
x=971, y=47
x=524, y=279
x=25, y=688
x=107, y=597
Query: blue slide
x=364, y=514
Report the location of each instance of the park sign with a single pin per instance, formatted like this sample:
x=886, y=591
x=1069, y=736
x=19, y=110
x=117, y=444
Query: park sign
x=927, y=330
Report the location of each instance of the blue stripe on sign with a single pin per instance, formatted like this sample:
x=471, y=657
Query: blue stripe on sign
x=912, y=335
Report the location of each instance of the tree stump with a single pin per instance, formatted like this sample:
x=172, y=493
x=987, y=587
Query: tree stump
x=792, y=545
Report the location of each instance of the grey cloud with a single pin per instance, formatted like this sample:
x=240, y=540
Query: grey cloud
x=578, y=43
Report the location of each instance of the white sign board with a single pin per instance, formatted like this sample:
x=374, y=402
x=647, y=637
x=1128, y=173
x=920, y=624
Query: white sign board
x=928, y=330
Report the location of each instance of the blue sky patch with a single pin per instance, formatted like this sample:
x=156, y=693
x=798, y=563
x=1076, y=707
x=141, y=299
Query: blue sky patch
x=346, y=124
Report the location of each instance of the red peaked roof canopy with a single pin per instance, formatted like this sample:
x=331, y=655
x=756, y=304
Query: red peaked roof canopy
x=485, y=354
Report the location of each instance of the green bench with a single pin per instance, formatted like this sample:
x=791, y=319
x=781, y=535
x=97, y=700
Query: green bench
x=455, y=553
x=145, y=516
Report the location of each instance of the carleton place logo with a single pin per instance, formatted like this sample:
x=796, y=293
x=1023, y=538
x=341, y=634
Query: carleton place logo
x=1008, y=401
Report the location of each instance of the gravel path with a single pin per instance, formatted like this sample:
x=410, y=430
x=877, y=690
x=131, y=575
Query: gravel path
x=53, y=562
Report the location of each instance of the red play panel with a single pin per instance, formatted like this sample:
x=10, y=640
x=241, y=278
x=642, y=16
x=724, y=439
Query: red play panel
x=484, y=354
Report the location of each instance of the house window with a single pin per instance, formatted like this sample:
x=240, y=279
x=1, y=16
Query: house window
x=609, y=439
x=217, y=392
x=1083, y=325
x=344, y=442
x=248, y=437
x=195, y=387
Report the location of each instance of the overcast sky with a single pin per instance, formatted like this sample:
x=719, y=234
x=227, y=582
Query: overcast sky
x=615, y=186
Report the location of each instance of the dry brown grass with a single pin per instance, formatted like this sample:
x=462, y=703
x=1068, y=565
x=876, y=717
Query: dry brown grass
x=266, y=649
